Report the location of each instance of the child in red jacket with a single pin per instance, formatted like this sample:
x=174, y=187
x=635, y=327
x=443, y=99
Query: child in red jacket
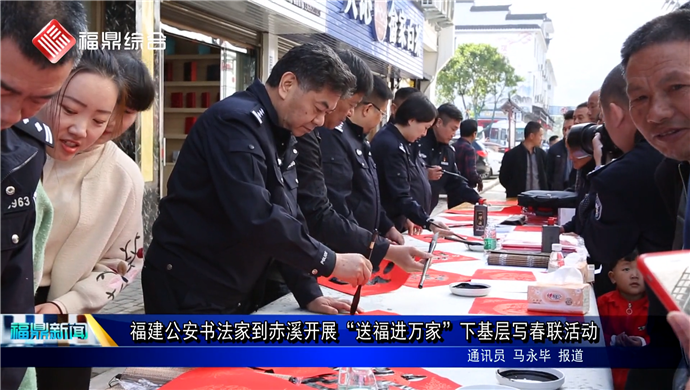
x=623, y=312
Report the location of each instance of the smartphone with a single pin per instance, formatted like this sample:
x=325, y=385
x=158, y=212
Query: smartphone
x=668, y=274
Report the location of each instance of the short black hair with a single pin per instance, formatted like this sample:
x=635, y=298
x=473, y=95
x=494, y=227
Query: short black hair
x=613, y=90
x=632, y=256
x=417, y=107
x=316, y=66
x=448, y=111
x=684, y=7
x=532, y=127
x=402, y=94
x=672, y=27
x=553, y=138
x=141, y=90
x=21, y=21
x=569, y=115
x=468, y=127
x=380, y=92
x=581, y=105
x=360, y=69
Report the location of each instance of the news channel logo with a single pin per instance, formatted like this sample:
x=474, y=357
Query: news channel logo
x=29, y=330
x=54, y=41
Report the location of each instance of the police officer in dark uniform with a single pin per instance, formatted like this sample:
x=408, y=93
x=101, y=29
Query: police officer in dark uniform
x=231, y=209
x=405, y=190
x=439, y=156
x=29, y=81
x=325, y=223
x=349, y=169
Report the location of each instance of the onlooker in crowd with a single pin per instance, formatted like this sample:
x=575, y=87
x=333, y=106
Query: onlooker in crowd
x=552, y=140
x=466, y=156
x=593, y=108
x=437, y=153
x=231, y=208
x=405, y=190
x=559, y=166
x=581, y=114
x=400, y=96
x=524, y=167
x=656, y=59
x=624, y=210
x=324, y=222
x=85, y=265
x=29, y=81
x=623, y=312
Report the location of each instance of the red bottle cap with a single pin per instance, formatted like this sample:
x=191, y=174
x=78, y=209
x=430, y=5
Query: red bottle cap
x=551, y=221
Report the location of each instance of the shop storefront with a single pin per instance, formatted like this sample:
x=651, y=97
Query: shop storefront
x=386, y=34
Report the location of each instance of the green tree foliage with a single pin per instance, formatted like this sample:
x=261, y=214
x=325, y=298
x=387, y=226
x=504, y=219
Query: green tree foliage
x=476, y=73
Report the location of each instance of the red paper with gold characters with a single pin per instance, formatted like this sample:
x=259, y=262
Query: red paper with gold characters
x=499, y=274
x=436, y=278
x=386, y=279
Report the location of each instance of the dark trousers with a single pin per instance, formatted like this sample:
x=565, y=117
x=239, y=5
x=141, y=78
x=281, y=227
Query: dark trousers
x=58, y=378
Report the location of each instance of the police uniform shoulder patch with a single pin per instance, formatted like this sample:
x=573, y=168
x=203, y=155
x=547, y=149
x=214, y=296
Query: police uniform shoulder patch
x=258, y=113
x=36, y=129
x=597, y=208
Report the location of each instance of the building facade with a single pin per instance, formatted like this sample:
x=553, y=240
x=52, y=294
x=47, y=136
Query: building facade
x=438, y=41
x=524, y=40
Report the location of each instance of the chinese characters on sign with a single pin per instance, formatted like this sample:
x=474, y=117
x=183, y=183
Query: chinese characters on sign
x=118, y=41
x=47, y=331
x=398, y=29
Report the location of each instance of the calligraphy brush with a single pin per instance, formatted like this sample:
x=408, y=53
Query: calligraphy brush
x=432, y=246
x=358, y=293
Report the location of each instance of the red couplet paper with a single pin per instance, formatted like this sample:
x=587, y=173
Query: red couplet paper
x=436, y=278
x=386, y=279
x=507, y=211
x=528, y=228
x=228, y=379
x=300, y=372
x=499, y=274
x=445, y=257
x=503, y=307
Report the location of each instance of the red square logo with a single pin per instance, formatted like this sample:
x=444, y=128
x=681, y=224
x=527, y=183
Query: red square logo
x=54, y=41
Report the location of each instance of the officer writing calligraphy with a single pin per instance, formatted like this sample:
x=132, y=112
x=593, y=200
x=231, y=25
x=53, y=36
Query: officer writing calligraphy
x=405, y=190
x=231, y=209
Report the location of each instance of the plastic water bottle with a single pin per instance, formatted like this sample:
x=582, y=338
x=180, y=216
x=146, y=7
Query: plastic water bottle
x=556, y=259
x=490, y=237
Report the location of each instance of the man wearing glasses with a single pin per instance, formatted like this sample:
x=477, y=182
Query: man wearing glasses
x=349, y=169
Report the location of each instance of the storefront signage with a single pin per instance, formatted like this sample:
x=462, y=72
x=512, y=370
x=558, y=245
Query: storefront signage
x=389, y=25
x=305, y=5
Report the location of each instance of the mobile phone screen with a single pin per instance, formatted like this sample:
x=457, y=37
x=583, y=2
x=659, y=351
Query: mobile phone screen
x=668, y=274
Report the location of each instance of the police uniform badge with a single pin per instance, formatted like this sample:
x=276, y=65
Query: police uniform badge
x=597, y=208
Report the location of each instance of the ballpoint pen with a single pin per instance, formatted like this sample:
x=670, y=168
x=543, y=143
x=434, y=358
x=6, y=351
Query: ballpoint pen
x=358, y=293
x=432, y=246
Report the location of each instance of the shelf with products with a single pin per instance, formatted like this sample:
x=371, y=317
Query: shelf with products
x=191, y=84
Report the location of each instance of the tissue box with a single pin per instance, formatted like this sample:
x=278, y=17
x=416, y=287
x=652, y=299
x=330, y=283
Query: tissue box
x=566, y=298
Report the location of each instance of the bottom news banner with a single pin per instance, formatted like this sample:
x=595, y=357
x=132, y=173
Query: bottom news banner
x=312, y=341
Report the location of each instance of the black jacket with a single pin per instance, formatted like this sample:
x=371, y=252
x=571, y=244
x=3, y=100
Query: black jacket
x=351, y=178
x=325, y=223
x=556, y=164
x=514, y=170
x=458, y=190
x=405, y=189
x=23, y=155
x=231, y=209
x=672, y=179
x=624, y=210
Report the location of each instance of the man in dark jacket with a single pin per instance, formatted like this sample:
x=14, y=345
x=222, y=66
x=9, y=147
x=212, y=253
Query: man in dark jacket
x=438, y=154
x=524, y=167
x=559, y=167
x=466, y=155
